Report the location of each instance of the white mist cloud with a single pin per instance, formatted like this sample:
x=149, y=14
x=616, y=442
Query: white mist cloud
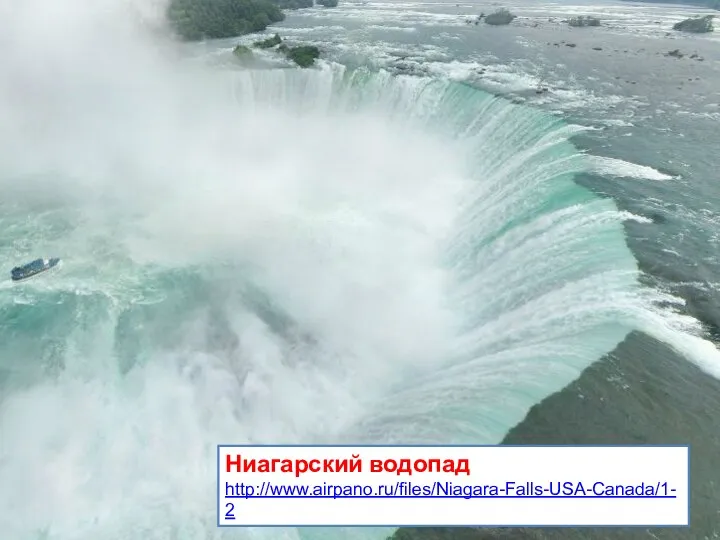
x=341, y=211
x=337, y=213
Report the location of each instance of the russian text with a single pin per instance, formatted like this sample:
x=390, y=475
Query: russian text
x=396, y=486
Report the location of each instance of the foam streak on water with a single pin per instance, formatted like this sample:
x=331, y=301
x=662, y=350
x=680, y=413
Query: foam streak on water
x=276, y=256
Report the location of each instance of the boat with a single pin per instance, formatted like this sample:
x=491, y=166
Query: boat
x=32, y=268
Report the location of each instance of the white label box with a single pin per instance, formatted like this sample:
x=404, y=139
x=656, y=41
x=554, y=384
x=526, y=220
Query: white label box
x=402, y=486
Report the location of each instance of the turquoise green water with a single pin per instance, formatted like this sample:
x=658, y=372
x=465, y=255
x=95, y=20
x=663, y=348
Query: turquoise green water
x=347, y=289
